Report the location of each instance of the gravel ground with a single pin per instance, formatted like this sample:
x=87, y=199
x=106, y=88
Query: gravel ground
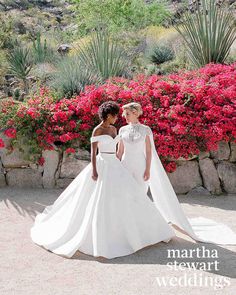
x=29, y=269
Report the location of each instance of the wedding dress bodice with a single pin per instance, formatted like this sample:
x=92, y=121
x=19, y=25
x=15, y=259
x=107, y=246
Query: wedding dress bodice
x=106, y=143
x=133, y=136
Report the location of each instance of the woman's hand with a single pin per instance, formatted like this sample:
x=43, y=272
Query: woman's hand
x=95, y=175
x=146, y=174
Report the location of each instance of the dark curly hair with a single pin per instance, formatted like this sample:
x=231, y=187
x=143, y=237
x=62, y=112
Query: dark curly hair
x=108, y=107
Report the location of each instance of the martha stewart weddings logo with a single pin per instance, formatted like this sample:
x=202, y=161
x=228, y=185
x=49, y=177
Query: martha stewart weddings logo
x=192, y=278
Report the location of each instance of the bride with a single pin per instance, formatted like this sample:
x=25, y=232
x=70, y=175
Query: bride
x=105, y=210
x=137, y=142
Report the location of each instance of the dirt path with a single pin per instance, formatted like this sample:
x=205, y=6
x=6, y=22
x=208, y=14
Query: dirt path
x=26, y=268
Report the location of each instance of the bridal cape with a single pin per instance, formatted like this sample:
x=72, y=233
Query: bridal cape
x=112, y=217
x=199, y=228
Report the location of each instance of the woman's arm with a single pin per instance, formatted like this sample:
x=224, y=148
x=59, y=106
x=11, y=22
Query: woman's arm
x=94, y=147
x=146, y=175
x=120, y=150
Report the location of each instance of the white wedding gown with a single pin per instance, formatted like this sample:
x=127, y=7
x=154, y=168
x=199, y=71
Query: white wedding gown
x=110, y=217
x=113, y=216
x=134, y=159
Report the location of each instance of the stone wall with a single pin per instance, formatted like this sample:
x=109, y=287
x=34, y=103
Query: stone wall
x=207, y=173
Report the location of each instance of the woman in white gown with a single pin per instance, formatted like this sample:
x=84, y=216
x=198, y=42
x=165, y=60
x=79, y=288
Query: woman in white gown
x=136, y=150
x=103, y=212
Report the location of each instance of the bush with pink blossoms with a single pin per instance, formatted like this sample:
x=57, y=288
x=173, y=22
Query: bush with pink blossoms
x=189, y=112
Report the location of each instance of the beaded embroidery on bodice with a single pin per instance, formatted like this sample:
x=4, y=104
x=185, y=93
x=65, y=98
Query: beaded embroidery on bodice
x=134, y=133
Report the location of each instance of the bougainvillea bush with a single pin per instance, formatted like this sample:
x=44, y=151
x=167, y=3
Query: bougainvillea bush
x=189, y=112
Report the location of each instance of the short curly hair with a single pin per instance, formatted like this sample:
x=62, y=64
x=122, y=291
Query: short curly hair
x=108, y=107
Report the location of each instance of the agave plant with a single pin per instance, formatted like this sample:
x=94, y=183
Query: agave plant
x=71, y=76
x=20, y=63
x=159, y=54
x=208, y=32
x=104, y=56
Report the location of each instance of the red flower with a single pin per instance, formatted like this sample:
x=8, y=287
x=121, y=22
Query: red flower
x=11, y=132
x=2, y=144
x=65, y=137
x=41, y=161
x=70, y=150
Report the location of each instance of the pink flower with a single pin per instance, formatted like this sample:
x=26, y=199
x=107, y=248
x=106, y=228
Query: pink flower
x=70, y=150
x=65, y=137
x=41, y=161
x=11, y=132
x=2, y=144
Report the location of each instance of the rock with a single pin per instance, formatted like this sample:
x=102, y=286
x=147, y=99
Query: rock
x=223, y=151
x=227, y=174
x=232, y=157
x=19, y=27
x=50, y=166
x=210, y=176
x=9, y=77
x=2, y=180
x=2, y=176
x=198, y=191
x=185, y=177
x=64, y=48
x=82, y=155
x=1, y=167
x=63, y=182
x=13, y=159
x=180, y=159
x=203, y=155
x=19, y=177
x=71, y=166
x=6, y=140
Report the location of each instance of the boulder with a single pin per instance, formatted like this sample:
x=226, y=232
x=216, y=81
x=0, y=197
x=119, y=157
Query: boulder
x=210, y=176
x=203, y=155
x=2, y=176
x=185, y=177
x=71, y=166
x=223, y=151
x=198, y=191
x=50, y=167
x=13, y=159
x=232, y=157
x=227, y=174
x=19, y=177
x=64, y=49
x=63, y=182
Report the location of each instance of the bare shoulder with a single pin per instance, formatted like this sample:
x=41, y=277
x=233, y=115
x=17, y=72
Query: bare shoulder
x=113, y=128
x=97, y=131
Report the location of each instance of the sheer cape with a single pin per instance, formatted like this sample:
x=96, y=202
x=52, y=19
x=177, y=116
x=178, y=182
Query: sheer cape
x=199, y=228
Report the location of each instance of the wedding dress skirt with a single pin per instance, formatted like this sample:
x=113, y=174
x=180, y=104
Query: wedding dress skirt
x=113, y=216
x=110, y=217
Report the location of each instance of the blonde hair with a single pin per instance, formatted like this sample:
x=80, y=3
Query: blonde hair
x=132, y=106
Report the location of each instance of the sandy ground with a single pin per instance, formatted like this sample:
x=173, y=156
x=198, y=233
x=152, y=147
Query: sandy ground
x=26, y=268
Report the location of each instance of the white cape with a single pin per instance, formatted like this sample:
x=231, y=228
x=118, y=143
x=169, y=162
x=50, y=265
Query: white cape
x=200, y=228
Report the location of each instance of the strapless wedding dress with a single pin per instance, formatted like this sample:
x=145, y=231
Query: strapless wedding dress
x=110, y=217
x=113, y=216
